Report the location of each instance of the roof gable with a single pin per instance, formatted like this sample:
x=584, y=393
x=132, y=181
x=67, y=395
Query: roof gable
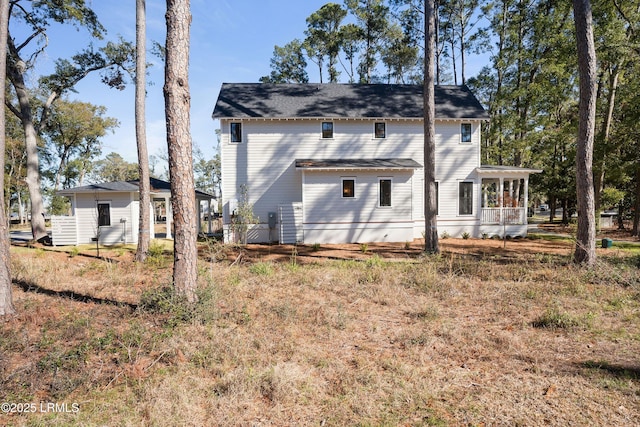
x=260, y=100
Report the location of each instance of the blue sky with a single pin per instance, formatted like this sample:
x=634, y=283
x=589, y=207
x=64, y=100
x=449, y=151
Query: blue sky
x=231, y=41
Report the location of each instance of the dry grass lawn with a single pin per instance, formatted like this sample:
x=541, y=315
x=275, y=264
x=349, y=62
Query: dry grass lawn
x=349, y=335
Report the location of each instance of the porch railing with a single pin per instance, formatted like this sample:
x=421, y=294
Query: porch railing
x=508, y=216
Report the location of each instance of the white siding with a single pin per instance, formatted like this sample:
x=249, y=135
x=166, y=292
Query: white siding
x=265, y=162
x=328, y=217
x=117, y=232
x=63, y=230
x=291, y=226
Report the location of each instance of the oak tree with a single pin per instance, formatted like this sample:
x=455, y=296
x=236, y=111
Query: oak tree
x=113, y=60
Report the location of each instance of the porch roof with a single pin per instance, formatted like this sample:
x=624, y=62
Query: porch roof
x=505, y=170
x=350, y=164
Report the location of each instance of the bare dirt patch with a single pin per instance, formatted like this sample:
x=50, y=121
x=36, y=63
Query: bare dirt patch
x=413, y=250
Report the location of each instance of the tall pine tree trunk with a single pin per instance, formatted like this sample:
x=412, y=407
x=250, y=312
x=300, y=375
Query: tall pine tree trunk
x=430, y=198
x=606, y=132
x=144, y=221
x=636, y=213
x=177, y=103
x=6, y=297
x=585, y=252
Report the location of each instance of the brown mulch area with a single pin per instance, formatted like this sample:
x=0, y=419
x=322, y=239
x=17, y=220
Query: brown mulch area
x=413, y=250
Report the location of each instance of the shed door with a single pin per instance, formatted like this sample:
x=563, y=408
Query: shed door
x=291, y=231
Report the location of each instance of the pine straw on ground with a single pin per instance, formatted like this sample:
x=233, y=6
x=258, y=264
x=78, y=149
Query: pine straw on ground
x=481, y=335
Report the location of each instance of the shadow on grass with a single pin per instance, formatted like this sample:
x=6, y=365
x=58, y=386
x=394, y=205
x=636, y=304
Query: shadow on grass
x=614, y=370
x=32, y=287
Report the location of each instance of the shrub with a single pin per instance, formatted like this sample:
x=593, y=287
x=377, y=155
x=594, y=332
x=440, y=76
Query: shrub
x=262, y=269
x=466, y=235
x=75, y=251
x=164, y=300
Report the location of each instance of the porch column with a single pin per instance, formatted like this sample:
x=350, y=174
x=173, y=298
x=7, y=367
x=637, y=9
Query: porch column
x=209, y=216
x=152, y=220
x=167, y=204
x=199, y=215
x=526, y=200
x=501, y=199
x=485, y=195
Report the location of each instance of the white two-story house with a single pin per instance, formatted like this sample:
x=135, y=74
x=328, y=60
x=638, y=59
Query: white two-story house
x=337, y=163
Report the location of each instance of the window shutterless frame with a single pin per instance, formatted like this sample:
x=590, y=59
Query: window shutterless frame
x=465, y=198
x=327, y=130
x=384, y=192
x=348, y=187
x=465, y=132
x=379, y=130
x=104, y=214
x=235, y=129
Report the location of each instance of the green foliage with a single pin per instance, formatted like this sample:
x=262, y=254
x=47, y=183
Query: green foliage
x=610, y=197
x=114, y=168
x=59, y=205
x=288, y=64
x=73, y=139
x=262, y=269
x=164, y=300
x=158, y=255
x=114, y=60
x=324, y=37
x=243, y=216
x=556, y=319
x=466, y=235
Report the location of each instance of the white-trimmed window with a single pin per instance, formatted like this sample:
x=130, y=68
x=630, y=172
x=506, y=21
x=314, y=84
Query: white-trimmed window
x=465, y=198
x=465, y=133
x=384, y=192
x=348, y=188
x=379, y=130
x=235, y=129
x=327, y=130
x=104, y=214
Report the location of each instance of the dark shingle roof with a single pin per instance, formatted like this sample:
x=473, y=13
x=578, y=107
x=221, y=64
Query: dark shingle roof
x=259, y=100
x=357, y=164
x=157, y=186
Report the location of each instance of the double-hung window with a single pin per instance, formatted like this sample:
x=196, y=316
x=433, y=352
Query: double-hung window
x=104, y=214
x=348, y=188
x=465, y=198
x=465, y=132
x=380, y=130
x=327, y=130
x=384, y=185
x=236, y=132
